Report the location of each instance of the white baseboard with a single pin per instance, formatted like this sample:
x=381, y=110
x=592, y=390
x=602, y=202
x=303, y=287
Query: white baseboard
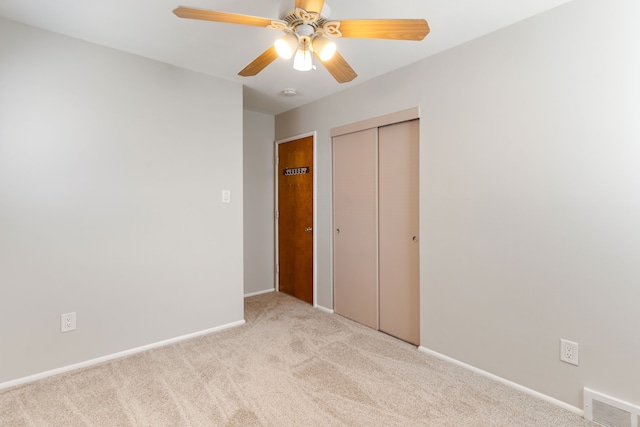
x=253, y=294
x=506, y=382
x=326, y=310
x=118, y=355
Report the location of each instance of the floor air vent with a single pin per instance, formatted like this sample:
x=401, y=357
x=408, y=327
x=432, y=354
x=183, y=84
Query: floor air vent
x=609, y=411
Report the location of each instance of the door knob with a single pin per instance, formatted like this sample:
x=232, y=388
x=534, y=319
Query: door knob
x=338, y=230
x=414, y=238
x=308, y=229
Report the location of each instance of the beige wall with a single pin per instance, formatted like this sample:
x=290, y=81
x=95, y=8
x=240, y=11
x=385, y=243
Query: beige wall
x=111, y=171
x=529, y=195
x=258, y=202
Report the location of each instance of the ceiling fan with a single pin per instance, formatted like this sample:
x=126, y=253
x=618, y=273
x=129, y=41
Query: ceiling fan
x=308, y=31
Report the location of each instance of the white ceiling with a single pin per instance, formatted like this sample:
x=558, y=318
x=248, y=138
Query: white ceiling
x=149, y=28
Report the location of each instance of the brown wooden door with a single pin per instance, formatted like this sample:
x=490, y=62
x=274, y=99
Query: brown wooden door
x=295, y=218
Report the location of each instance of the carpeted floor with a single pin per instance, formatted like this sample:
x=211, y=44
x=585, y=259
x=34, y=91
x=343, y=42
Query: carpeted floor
x=288, y=365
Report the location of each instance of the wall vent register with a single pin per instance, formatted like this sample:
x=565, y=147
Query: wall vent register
x=610, y=411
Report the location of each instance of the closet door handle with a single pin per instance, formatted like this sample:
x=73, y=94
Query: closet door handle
x=414, y=238
x=308, y=229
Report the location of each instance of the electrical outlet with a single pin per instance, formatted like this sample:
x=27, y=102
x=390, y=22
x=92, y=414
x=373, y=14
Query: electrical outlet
x=68, y=322
x=569, y=352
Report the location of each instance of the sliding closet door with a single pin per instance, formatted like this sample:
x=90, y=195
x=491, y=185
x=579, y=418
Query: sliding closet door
x=355, y=221
x=399, y=263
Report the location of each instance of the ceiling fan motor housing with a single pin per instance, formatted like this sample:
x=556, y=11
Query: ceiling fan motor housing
x=305, y=30
x=288, y=12
x=302, y=22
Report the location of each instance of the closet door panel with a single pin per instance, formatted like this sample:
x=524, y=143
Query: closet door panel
x=399, y=260
x=355, y=207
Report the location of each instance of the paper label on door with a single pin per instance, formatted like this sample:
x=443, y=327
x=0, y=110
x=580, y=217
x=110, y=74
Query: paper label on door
x=295, y=171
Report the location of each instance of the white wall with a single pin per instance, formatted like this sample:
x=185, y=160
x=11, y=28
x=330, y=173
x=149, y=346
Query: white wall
x=529, y=195
x=258, y=202
x=111, y=170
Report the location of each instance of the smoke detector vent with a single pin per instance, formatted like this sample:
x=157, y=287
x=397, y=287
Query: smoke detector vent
x=609, y=411
x=289, y=92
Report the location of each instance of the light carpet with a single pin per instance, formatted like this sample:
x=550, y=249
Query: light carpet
x=290, y=364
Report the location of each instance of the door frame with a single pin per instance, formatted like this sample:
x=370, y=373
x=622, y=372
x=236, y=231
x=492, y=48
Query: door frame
x=276, y=176
x=409, y=114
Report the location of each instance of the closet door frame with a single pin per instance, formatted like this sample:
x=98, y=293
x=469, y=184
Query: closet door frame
x=376, y=122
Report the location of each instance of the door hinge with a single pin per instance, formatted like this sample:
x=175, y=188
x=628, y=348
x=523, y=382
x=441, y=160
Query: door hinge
x=277, y=214
x=277, y=268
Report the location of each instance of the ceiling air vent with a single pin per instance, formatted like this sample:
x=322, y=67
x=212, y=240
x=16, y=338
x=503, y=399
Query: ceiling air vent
x=609, y=411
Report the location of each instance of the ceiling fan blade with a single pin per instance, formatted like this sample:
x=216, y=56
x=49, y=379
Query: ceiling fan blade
x=230, y=18
x=339, y=68
x=260, y=63
x=310, y=5
x=396, y=29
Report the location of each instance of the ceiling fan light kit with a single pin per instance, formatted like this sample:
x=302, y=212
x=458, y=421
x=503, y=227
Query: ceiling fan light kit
x=302, y=61
x=286, y=46
x=303, y=41
x=308, y=31
x=324, y=47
